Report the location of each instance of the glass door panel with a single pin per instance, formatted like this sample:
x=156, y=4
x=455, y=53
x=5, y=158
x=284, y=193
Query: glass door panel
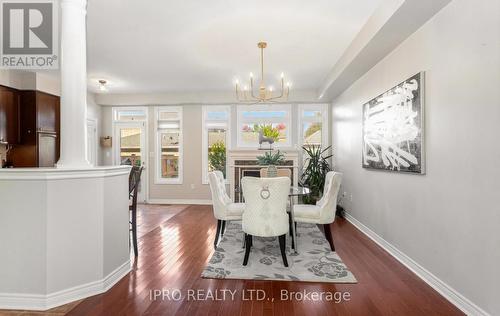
x=130, y=146
x=130, y=149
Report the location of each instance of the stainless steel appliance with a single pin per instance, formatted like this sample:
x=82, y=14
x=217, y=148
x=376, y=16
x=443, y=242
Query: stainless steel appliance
x=47, y=154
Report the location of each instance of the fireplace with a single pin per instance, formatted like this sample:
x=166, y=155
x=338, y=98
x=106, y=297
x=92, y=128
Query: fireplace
x=243, y=163
x=251, y=173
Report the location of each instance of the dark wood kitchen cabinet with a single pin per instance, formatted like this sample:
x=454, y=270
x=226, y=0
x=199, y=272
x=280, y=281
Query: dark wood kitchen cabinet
x=39, y=130
x=9, y=115
x=39, y=113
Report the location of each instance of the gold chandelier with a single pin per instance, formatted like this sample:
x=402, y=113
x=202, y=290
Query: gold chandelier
x=265, y=94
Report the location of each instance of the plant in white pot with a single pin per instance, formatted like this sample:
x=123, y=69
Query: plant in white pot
x=271, y=160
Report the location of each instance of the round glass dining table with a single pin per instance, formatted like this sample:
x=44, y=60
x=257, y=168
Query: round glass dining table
x=298, y=191
x=295, y=192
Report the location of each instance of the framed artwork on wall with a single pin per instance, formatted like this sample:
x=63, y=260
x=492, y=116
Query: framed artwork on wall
x=393, y=128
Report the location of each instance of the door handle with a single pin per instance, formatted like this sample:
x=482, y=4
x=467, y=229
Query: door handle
x=49, y=135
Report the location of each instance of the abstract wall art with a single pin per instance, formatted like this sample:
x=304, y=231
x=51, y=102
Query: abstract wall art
x=393, y=128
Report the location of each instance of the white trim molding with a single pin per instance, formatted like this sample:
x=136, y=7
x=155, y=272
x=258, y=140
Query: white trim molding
x=40, y=302
x=452, y=295
x=62, y=173
x=180, y=201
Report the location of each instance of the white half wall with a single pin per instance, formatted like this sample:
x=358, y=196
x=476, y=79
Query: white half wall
x=448, y=220
x=64, y=234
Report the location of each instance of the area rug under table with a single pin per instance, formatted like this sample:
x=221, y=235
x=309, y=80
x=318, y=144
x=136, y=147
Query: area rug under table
x=314, y=263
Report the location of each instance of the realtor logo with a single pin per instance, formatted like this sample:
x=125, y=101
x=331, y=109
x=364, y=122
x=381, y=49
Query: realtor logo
x=28, y=35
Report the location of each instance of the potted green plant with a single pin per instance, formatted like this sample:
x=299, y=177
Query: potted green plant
x=271, y=160
x=217, y=157
x=316, y=167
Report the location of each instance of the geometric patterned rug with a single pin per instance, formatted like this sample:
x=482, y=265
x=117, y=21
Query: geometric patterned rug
x=315, y=262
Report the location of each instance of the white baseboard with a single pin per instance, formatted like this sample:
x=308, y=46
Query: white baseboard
x=40, y=302
x=457, y=299
x=180, y=201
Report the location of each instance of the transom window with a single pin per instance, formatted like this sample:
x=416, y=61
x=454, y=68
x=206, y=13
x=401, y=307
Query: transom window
x=127, y=114
x=272, y=120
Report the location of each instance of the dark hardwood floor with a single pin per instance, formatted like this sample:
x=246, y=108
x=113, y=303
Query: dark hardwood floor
x=173, y=255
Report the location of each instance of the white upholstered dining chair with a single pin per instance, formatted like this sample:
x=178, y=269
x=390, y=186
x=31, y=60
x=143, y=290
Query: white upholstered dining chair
x=224, y=208
x=265, y=211
x=323, y=212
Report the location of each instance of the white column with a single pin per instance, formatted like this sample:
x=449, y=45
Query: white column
x=73, y=85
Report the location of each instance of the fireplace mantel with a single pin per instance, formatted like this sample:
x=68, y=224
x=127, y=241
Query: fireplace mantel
x=243, y=161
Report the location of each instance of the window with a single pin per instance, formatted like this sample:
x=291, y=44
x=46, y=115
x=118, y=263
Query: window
x=273, y=120
x=168, y=145
x=313, y=125
x=127, y=114
x=215, y=139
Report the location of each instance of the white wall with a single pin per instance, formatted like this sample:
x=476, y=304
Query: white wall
x=182, y=98
x=48, y=82
x=106, y=154
x=448, y=220
x=192, y=187
x=26, y=80
x=93, y=109
x=94, y=113
x=11, y=78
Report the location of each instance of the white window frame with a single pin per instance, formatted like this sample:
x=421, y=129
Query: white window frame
x=323, y=108
x=145, y=122
x=264, y=107
x=115, y=121
x=117, y=109
x=158, y=178
x=204, y=136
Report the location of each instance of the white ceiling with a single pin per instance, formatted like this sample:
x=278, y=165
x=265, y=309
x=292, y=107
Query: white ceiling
x=199, y=46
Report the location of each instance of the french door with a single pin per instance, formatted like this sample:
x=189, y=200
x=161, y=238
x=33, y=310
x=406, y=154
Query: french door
x=130, y=148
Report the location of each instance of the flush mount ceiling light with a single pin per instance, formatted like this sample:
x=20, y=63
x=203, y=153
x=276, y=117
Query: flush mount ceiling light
x=265, y=94
x=102, y=85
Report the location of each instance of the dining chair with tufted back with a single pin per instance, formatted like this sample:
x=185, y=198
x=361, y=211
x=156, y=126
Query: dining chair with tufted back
x=265, y=211
x=323, y=212
x=224, y=208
